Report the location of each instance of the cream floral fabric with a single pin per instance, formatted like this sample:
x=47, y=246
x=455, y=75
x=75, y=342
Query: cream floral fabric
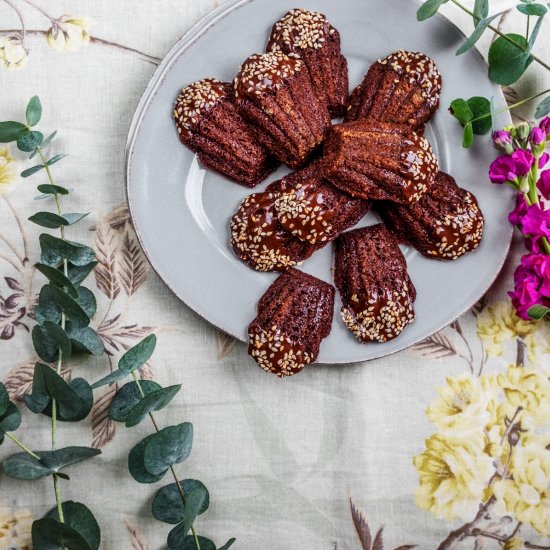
x=444, y=445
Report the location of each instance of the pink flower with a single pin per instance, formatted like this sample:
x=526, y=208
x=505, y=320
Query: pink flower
x=544, y=184
x=537, y=136
x=509, y=168
x=531, y=283
x=519, y=211
x=543, y=160
x=544, y=125
x=536, y=222
x=503, y=140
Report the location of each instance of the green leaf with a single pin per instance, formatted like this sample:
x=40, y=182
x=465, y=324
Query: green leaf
x=538, y=312
x=543, y=108
x=535, y=32
x=50, y=534
x=532, y=9
x=49, y=220
x=29, y=141
x=86, y=400
x=24, y=466
x=59, y=338
x=4, y=399
x=10, y=131
x=167, y=505
x=137, y=356
x=194, y=501
x=80, y=518
x=128, y=397
x=55, y=159
x=86, y=300
x=77, y=273
x=508, y=62
x=57, y=278
x=476, y=35
x=55, y=249
x=73, y=217
x=34, y=111
x=189, y=544
x=481, y=10
x=48, y=140
x=52, y=301
x=152, y=402
x=468, y=137
x=84, y=340
x=429, y=9
x=228, y=544
x=30, y=171
x=136, y=464
x=481, y=107
x=49, y=189
x=11, y=419
x=461, y=111
x=43, y=344
x=167, y=447
x=110, y=379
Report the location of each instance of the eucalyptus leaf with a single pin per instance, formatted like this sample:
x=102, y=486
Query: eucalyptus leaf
x=136, y=464
x=152, y=402
x=29, y=141
x=24, y=466
x=55, y=249
x=57, y=278
x=86, y=300
x=476, y=35
x=429, y=9
x=535, y=31
x=43, y=344
x=49, y=189
x=50, y=534
x=4, y=399
x=481, y=10
x=10, y=131
x=77, y=273
x=189, y=544
x=59, y=337
x=32, y=170
x=128, y=397
x=52, y=301
x=73, y=217
x=168, y=506
x=81, y=519
x=83, y=390
x=84, y=340
x=137, y=356
x=11, y=419
x=55, y=159
x=461, y=110
x=538, y=312
x=110, y=379
x=468, y=136
x=532, y=9
x=507, y=61
x=481, y=109
x=543, y=108
x=34, y=111
x=167, y=447
x=48, y=140
x=194, y=501
x=228, y=544
x=49, y=220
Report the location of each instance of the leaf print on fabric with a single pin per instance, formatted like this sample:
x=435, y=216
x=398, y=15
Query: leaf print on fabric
x=106, y=248
x=225, y=343
x=133, y=266
x=114, y=334
x=103, y=428
x=15, y=529
x=18, y=381
x=137, y=539
x=147, y=372
x=436, y=346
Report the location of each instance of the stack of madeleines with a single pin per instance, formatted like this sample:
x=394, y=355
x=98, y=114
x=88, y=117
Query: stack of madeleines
x=278, y=110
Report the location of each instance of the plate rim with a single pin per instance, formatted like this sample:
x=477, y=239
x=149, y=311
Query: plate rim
x=188, y=39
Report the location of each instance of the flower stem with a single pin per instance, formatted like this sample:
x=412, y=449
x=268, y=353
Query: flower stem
x=505, y=36
x=18, y=12
x=21, y=445
x=38, y=8
x=178, y=485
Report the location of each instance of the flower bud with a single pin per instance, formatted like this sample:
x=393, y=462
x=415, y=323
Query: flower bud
x=503, y=140
x=522, y=133
x=13, y=54
x=68, y=33
x=537, y=138
x=544, y=125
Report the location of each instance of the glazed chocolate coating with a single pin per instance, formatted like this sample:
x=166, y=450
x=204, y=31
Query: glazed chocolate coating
x=275, y=94
x=379, y=161
x=445, y=223
x=294, y=316
x=309, y=35
x=403, y=88
x=259, y=239
x=210, y=125
x=312, y=209
x=376, y=290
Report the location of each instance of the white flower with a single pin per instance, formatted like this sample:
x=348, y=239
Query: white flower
x=13, y=54
x=8, y=172
x=68, y=33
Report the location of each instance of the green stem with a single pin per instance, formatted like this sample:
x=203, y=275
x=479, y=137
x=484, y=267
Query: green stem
x=178, y=485
x=21, y=445
x=505, y=36
x=527, y=31
x=58, y=498
x=531, y=197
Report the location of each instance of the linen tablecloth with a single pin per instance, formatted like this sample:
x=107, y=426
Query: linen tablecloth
x=321, y=461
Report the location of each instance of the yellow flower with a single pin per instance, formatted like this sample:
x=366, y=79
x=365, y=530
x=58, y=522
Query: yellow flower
x=462, y=406
x=529, y=389
x=527, y=494
x=453, y=474
x=68, y=33
x=8, y=172
x=15, y=529
x=13, y=54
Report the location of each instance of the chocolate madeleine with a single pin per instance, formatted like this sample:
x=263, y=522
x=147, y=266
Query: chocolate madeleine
x=294, y=316
x=403, y=88
x=376, y=290
x=259, y=239
x=445, y=223
x=275, y=94
x=210, y=125
x=379, y=161
x=317, y=42
x=312, y=209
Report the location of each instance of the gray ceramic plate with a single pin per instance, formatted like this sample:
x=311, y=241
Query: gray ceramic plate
x=181, y=212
